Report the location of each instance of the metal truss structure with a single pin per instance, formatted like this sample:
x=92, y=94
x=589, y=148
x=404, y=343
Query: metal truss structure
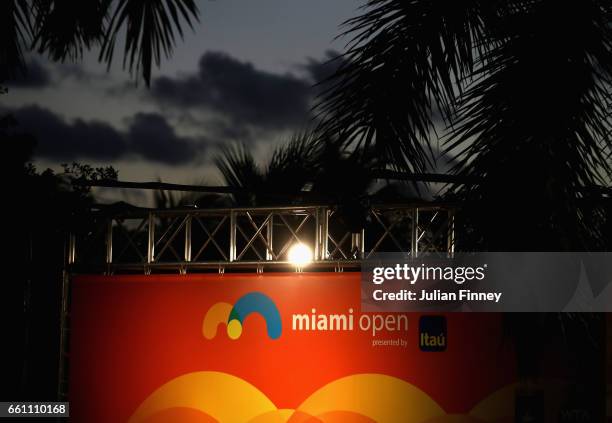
x=197, y=239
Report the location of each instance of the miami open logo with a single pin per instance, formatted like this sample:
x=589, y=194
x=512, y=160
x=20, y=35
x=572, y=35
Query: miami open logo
x=233, y=316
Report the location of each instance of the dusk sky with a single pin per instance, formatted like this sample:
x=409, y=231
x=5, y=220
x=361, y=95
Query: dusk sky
x=244, y=74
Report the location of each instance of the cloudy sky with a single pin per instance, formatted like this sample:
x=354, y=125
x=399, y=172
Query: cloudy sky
x=245, y=74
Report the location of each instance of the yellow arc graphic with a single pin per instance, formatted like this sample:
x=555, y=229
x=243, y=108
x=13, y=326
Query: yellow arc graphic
x=358, y=398
x=216, y=315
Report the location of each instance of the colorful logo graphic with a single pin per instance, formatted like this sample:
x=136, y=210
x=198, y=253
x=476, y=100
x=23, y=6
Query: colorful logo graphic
x=233, y=316
x=432, y=333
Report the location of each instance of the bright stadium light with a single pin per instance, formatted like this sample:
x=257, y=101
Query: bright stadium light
x=299, y=254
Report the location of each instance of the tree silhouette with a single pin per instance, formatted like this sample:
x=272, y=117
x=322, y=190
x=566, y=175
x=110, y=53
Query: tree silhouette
x=535, y=128
x=64, y=30
x=404, y=60
x=305, y=170
x=41, y=208
x=523, y=89
x=281, y=180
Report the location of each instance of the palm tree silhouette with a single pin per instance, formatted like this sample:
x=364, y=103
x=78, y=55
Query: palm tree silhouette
x=522, y=89
x=303, y=170
x=284, y=176
x=64, y=30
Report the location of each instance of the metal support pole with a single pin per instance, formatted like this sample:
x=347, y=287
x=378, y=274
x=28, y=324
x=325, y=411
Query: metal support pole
x=71, y=256
x=324, y=236
x=317, y=239
x=62, y=372
x=151, y=241
x=450, y=243
x=270, y=237
x=188, y=220
x=109, y=242
x=414, y=238
x=62, y=376
x=358, y=244
x=232, y=246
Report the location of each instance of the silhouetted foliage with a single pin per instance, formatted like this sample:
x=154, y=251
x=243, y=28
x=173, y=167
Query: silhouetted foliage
x=40, y=209
x=404, y=59
x=150, y=31
x=523, y=87
x=535, y=126
x=304, y=169
x=15, y=30
x=64, y=29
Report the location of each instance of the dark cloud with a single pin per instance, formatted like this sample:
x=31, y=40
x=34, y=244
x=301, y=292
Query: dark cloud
x=226, y=131
x=35, y=76
x=319, y=70
x=149, y=136
x=41, y=74
x=57, y=139
x=239, y=91
x=154, y=139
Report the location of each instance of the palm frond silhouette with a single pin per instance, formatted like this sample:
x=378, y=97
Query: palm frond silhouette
x=305, y=169
x=523, y=88
x=64, y=30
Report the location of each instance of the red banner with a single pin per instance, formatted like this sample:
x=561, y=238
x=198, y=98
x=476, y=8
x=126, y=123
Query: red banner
x=284, y=347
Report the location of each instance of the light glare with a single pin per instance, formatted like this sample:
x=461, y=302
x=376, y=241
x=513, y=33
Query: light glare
x=300, y=255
